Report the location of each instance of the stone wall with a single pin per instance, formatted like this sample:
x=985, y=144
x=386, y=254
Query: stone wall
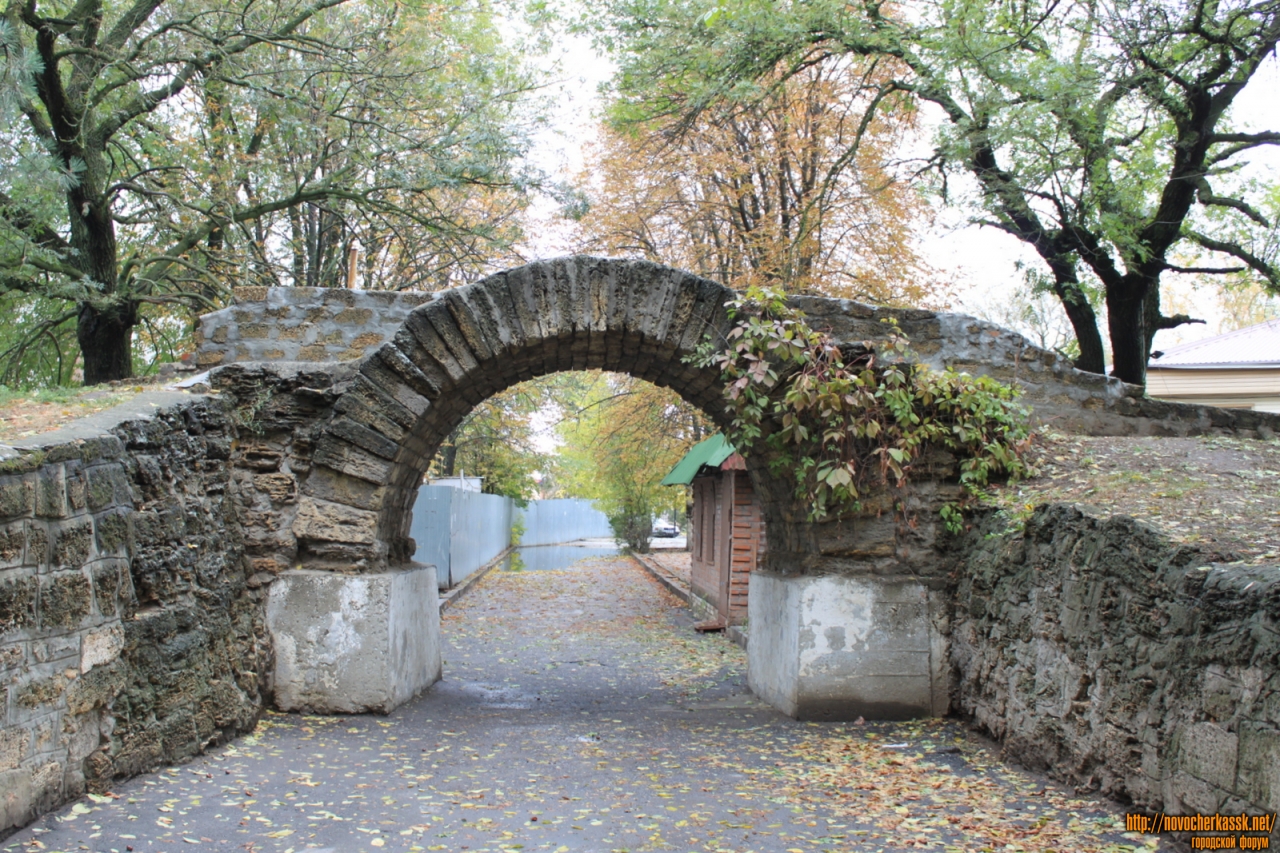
x=1061, y=396
x=310, y=324
x=130, y=636
x=1118, y=662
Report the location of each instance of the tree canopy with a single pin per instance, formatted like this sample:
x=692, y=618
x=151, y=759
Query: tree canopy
x=1102, y=136
x=791, y=190
x=621, y=437
x=160, y=151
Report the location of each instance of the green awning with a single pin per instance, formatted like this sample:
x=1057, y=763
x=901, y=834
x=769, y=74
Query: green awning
x=710, y=452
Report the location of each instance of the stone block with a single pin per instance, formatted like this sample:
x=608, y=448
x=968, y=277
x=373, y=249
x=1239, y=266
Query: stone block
x=354, y=644
x=18, y=596
x=77, y=484
x=332, y=522
x=37, y=544
x=841, y=648
x=1259, y=772
x=1209, y=752
x=254, y=331
x=313, y=352
x=108, y=487
x=1187, y=795
x=13, y=544
x=72, y=543
x=210, y=358
x=11, y=656
x=66, y=599
x=353, y=316
x=17, y=496
x=51, y=492
x=17, y=801
x=247, y=295
x=101, y=646
x=15, y=744
x=280, y=488
x=113, y=533
x=352, y=460
x=41, y=693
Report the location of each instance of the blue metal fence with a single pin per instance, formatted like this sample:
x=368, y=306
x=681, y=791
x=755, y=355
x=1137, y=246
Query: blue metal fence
x=461, y=531
x=551, y=522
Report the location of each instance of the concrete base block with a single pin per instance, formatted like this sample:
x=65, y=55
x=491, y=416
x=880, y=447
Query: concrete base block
x=839, y=648
x=354, y=643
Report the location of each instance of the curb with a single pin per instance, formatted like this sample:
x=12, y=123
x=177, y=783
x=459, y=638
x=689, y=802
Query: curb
x=662, y=576
x=472, y=579
x=736, y=633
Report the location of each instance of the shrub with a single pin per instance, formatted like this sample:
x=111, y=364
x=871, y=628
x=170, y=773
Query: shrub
x=841, y=424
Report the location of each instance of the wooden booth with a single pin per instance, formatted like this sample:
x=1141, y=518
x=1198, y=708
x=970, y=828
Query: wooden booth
x=726, y=527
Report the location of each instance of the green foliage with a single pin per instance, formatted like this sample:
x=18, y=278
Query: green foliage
x=843, y=426
x=621, y=437
x=631, y=519
x=171, y=161
x=518, y=529
x=496, y=441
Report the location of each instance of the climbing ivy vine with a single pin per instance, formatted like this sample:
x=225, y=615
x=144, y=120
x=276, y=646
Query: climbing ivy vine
x=844, y=424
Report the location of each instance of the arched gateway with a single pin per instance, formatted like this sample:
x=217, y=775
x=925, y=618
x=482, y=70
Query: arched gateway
x=844, y=617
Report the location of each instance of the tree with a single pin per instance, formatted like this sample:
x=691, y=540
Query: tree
x=497, y=441
x=168, y=148
x=762, y=192
x=1099, y=134
x=621, y=437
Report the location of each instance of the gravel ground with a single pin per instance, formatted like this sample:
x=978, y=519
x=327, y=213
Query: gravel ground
x=580, y=712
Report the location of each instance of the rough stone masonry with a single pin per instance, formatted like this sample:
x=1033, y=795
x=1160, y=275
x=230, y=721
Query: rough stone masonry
x=171, y=569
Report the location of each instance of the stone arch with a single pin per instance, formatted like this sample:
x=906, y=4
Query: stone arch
x=840, y=625
x=472, y=342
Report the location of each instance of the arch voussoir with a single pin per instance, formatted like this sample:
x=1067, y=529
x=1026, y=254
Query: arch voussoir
x=391, y=370
x=422, y=344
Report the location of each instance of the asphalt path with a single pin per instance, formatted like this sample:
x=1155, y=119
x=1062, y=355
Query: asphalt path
x=580, y=712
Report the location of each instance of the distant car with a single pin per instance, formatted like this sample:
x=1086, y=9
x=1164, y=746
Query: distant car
x=665, y=529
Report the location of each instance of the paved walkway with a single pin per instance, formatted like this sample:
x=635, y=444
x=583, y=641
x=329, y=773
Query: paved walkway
x=579, y=712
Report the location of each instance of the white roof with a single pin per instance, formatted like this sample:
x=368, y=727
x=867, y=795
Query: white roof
x=1252, y=346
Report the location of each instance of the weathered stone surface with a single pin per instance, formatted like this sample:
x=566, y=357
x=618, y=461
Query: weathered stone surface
x=100, y=647
x=18, y=593
x=842, y=648
x=66, y=598
x=302, y=324
x=332, y=522
x=72, y=543
x=1118, y=661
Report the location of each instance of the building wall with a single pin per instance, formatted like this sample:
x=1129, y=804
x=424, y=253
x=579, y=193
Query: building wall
x=746, y=545
x=131, y=628
x=1257, y=389
x=704, y=575
x=727, y=537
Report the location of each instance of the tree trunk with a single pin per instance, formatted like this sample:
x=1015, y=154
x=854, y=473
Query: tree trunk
x=1084, y=322
x=106, y=342
x=1127, y=325
x=449, y=455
